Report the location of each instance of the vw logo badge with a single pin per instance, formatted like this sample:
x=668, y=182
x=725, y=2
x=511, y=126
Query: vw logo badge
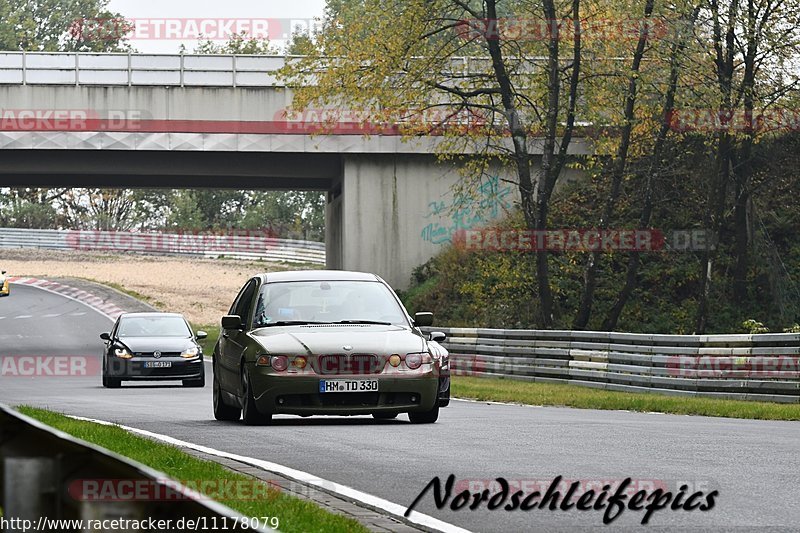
x=347, y=347
x=156, y=354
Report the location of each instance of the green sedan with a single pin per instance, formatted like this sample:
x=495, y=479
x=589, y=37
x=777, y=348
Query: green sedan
x=326, y=343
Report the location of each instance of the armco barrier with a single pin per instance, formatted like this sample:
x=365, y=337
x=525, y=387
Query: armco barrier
x=763, y=367
x=236, y=244
x=39, y=467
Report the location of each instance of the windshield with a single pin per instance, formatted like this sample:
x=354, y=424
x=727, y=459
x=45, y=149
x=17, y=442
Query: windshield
x=327, y=301
x=153, y=326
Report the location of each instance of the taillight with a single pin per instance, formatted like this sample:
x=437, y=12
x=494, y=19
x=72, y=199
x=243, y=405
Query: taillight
x=299, y=362
x=279, y=362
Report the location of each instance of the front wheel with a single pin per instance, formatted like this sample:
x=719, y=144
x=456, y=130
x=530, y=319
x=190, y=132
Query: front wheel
x=250, y=413
x=222, y=411
x=111, y=383
x=425, y=417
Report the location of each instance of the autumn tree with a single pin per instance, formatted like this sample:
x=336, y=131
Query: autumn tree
x=450, y=67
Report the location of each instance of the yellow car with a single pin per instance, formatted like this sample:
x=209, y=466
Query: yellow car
x=4, y=288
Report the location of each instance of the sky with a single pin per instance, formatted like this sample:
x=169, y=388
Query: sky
x=209, y=12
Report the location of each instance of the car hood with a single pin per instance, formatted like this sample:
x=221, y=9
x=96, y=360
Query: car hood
x=164, y=344
x=317, y=340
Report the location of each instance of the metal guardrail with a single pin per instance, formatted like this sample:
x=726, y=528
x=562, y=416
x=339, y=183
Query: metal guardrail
x=80, y=68
x=237, y=244
x=763, y=367
x=42, y=469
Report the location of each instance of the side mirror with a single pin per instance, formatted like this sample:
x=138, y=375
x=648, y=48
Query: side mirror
x=105, y=336
x=437, y=336
x=232, y=322
x=423, y=319
x=3, y=272
x=200, y=335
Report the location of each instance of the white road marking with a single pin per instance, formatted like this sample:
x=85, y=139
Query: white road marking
x=77, y=314
x=24, y=316
x=298, y=475
x=51, y=315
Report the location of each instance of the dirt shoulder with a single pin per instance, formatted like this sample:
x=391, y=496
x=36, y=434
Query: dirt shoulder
x=201, y=289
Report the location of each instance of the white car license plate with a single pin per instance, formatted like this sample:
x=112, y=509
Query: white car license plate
x=348, y=385
x=158, y=364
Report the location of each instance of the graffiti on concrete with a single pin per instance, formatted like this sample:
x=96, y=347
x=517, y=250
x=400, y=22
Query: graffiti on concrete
x=462, y=211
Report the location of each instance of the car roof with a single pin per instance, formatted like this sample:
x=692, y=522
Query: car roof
x=318, y=275
x=149, y=314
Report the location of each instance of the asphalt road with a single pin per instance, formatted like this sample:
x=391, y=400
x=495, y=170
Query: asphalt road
x=753, y=464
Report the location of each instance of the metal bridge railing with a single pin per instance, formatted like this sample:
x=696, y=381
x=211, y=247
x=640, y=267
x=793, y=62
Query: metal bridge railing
x=79, y=68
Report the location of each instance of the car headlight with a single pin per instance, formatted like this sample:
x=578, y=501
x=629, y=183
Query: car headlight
x=416, y=360
x=122, y=353
x=190, y=352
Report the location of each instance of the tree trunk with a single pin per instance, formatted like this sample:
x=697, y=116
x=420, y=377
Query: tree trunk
x=634, y=260
x=617, y=173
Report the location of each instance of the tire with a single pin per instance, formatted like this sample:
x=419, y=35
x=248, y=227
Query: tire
x=384, y=416
x=111, y=383
x=250, y=413
x=222, y=411
x=199, y=382
x=425, y=417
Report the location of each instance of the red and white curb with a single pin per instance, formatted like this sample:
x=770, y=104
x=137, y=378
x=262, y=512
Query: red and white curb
x=95, y=302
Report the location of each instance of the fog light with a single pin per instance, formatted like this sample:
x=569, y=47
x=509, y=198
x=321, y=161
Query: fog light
x=395, y=360
x=413, y=399
x=280, y=401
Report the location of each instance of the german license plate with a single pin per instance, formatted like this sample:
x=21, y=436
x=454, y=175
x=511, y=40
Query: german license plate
x=158, y=364
x=348, y=385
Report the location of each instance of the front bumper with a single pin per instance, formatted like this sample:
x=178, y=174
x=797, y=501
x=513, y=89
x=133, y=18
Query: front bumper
x=299, y=395
x=134, y=369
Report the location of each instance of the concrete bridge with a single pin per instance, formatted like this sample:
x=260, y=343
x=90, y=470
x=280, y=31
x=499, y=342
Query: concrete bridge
x=136, y=120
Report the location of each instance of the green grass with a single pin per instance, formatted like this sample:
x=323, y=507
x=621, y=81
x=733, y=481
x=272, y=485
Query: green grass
x=294, y=514
x=506, y=390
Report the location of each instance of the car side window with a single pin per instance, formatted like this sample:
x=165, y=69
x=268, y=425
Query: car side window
x=245, y=302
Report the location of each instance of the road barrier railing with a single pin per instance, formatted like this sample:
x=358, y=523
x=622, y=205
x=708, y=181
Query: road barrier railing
x=235, y=244
x=763, y=367
x=39, y=467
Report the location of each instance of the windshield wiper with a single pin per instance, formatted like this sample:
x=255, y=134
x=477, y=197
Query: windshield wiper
x=290, y=323
x=377, y=322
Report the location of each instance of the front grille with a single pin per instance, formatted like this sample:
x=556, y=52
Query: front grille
x=349, y=399
x=163, y=354
x=359, y=363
